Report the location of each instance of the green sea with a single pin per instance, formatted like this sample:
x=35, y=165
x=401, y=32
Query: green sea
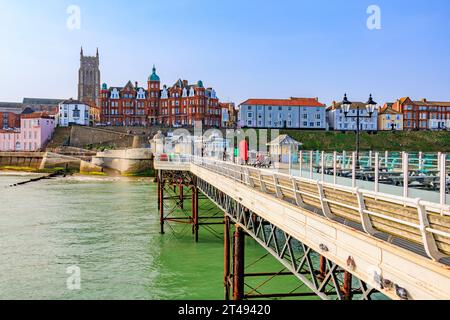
x=108, y=229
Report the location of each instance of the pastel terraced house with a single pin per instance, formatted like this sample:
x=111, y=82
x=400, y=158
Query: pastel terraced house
x=9, y=140
x=36, y=129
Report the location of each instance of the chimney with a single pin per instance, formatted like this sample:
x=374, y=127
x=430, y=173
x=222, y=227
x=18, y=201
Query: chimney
x=317, y=99
x=424, y=100
x=136, y=84
x=185, y=83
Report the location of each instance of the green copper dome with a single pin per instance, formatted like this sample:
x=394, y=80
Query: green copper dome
x=104, y=86
x=200, y=84
x=154, y=76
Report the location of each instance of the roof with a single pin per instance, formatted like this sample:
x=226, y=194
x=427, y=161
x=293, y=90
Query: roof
x=154, y=76
x=283, y=139
x=13, y=107
x=37, y=115
x=432, y=103
x=293, y=102
x=27, y=110
x=42, y=101
x=389, y=110
x=71, y=101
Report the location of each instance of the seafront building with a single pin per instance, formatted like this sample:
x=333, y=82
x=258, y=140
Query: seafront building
x=338, y=121
x=389, y=119
x=229, y=115
x=36, y=129
x=423, y=114
x=293, y=113
x=9, y=120
x=9, y=139
x=73, y=112
x=182, y=104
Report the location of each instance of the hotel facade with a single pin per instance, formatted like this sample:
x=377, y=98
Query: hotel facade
x=179, y=105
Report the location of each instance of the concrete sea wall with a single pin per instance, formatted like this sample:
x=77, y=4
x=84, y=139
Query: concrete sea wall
x=129, y=161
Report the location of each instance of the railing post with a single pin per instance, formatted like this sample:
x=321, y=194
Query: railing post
x=249, y=179
x=365, y=219
x=443, y=179
x=354, y=170
x=405, y=168
x=277, y=187
x=262, y=183
x=429, y=241
x=344, y=159
x=377, y=172
x=322, y=164
x=325, y=206
x=421, y=160
x=301, y=163
x=311, y=154
x=386, y=159
x=298, y=197
x=335, y=167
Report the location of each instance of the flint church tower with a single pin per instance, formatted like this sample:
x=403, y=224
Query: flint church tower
x=89, y=79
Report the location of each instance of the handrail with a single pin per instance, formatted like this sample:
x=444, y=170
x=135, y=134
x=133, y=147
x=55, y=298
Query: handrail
x=243, y=175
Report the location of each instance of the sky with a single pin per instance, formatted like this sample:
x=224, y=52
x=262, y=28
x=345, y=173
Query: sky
x=243, y=49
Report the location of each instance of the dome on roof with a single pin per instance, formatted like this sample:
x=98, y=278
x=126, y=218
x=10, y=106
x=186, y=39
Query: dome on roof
x=154, y=76
x=104, y=86
x=200, y=84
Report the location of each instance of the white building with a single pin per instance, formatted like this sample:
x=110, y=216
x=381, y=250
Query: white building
x=73, y=112
x=339, y=122
x=294, y=113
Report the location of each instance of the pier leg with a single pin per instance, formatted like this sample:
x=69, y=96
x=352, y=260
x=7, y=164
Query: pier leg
x=161, y=201
x=195, y=225
x=348, y=285
x=181, y=197
x=238, y=264
x=323, y=267
x=227, y=258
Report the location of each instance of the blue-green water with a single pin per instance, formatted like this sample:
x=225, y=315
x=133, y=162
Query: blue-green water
x=109, y=228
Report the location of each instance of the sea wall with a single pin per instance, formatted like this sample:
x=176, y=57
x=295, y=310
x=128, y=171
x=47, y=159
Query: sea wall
x=128, y=161
x=22, y=159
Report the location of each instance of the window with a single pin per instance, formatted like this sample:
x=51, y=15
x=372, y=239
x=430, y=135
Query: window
x=250, y=115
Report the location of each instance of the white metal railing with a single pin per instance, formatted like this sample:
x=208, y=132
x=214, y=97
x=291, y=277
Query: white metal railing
x=408, y=170
x=267, y=179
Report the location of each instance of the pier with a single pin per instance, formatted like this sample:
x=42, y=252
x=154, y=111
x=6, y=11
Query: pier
x=342, y=242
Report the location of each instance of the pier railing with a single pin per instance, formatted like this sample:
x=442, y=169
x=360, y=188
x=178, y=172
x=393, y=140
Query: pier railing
x=421, y=222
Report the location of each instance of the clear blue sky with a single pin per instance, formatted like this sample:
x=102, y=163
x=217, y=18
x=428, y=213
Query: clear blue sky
x=244, y=49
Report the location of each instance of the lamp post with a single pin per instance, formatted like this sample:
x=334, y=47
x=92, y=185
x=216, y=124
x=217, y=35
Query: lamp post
x=370, y=106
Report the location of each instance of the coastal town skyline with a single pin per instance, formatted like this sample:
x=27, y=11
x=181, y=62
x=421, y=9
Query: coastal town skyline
x=236, y=71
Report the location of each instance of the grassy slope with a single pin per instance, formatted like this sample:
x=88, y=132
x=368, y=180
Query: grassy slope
x=383, y=141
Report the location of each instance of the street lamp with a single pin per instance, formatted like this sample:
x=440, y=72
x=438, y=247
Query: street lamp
x=370, y=107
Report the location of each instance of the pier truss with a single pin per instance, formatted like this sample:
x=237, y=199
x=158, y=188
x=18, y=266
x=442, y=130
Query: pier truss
x=323, y=277
x=179, y=201
x=340, y=242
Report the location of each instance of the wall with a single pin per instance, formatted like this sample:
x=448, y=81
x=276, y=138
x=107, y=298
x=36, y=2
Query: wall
x=130, y=161
x=82, y=136
x=21, y=159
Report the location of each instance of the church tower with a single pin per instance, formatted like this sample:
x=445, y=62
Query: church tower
x=89, y=79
